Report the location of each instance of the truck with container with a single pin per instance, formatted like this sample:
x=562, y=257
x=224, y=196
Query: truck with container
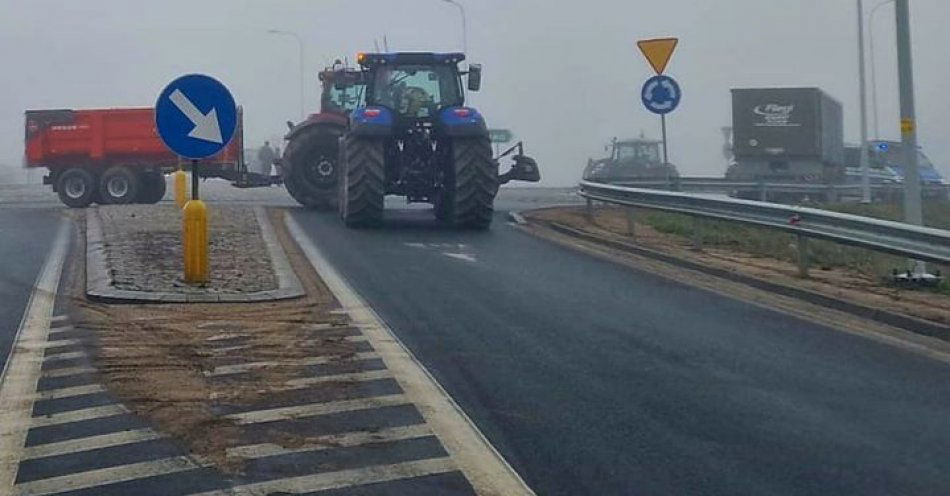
x=786, y=135
x=115, y=156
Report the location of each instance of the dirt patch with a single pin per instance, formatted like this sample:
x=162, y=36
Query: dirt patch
x=157, y=358
x=845, y=283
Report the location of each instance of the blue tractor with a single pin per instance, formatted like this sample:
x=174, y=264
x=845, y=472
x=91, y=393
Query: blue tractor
x=413, y=136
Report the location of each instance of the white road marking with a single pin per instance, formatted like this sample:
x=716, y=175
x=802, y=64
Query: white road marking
x=90, y=443
x=320, y=360
x=345, y=440
x=461, y=256
x=61, y=342
x=343, y=478
x=110, y=475
x=68, y=371
x=64, y=356
x=67, y=392
x=22, y=369
x=314, y=409
x=79, y=415
x=484, y=467
x=58, y=318
x=54, y=331
x=372, y=375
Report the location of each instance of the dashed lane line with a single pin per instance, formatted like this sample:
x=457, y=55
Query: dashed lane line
x=481, y=463
x=58, y=318
x=90, y=443
x=22, y=370
x=340, y=479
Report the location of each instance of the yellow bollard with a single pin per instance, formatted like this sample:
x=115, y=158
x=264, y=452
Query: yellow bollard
x=195, y=242
x=181, y=188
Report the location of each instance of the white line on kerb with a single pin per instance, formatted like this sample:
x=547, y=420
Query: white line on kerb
x=485, y=468
x=22, y=370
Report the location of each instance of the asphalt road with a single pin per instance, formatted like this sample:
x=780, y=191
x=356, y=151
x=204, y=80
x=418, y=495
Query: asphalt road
x=25, y=237
x=595, y=379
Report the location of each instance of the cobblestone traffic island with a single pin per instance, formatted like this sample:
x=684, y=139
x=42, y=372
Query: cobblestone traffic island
x=135, y=252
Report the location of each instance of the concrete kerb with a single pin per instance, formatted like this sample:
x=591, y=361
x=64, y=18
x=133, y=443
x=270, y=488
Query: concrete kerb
x=906, y=322
x=99, y=277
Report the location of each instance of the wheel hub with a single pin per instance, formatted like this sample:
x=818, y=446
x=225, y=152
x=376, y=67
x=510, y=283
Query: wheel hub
x=117, y=187
x=75, y=188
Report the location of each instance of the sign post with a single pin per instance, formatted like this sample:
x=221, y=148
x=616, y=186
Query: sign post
x=499, y=137
x=196, y=118
x=660, y=94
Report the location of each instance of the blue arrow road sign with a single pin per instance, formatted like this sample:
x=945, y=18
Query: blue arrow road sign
x=661, y=94
x=195, y=116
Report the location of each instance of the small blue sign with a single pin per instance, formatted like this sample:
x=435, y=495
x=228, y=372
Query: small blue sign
x=195, y=116
x=883, y=147
x=661, y=94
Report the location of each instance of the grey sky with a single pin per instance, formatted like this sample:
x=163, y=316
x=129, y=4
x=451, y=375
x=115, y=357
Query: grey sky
x=565, y=76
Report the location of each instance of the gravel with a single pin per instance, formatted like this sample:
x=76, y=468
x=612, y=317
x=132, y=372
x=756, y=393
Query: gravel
x=143, y=250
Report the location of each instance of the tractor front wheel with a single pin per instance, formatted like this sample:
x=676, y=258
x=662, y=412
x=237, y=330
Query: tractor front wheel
x=362, y=181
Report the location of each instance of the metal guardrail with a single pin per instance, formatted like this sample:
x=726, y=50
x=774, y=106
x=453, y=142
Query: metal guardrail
x=763, y=189
x=920, y=243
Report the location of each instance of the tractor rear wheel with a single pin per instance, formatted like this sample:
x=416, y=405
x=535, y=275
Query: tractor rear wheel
x=362, y=181
x=309, y=167
x=469, y=186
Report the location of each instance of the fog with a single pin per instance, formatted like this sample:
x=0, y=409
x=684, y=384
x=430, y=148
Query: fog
x=564, y=76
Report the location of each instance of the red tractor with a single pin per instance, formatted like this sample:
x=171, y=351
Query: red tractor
x=309, y=164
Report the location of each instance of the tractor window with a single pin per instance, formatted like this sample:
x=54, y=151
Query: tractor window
x=626, y=152
x=347, y=98
x=417, y=90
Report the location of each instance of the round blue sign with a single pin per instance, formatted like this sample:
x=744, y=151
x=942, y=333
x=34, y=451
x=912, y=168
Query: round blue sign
x=196, y=116
x=661, y=94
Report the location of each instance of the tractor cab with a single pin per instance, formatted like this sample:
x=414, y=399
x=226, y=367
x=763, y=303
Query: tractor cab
x=420, y=87
x=343, y=89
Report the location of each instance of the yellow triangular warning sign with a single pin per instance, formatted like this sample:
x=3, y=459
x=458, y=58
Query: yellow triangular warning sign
x=658, y=51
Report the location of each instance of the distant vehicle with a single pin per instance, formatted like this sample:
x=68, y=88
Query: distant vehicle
x=309, y=166
x=890, y=154
x=112, y=156
x=415, y=137
x=630, y=159
x=787, y=135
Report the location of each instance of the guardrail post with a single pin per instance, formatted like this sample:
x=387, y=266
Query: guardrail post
x=832, y=194
x=590, y=210
x=631, y=222
x=697, y=234
x=763, y=192
x=802, y=256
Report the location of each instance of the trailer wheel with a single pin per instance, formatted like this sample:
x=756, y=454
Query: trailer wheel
x=118, y=185
x=362, y=181
x=76, y=187
x=309, y=167
x=469, y=185
x=152, y=187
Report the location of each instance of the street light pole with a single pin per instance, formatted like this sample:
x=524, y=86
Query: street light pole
x=300, y=53
x=865, y=168
x=464, y=25
x=905, y=67
x=877, y=127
